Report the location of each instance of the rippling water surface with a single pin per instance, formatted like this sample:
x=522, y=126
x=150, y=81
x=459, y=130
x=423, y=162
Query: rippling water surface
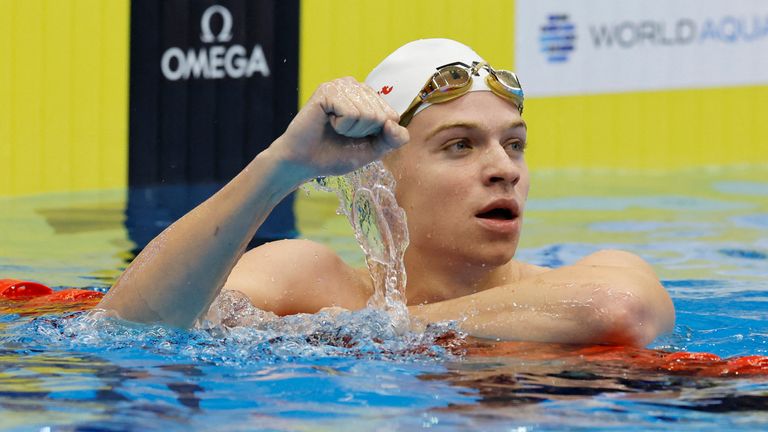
x=705, y=232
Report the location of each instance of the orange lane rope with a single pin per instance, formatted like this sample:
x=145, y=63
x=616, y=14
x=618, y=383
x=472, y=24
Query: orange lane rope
x=683, y=362
x=26, y=297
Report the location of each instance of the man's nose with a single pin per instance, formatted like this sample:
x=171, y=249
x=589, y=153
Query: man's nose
x=500, y=167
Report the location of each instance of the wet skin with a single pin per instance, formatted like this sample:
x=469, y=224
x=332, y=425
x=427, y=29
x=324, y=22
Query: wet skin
x=463, y=182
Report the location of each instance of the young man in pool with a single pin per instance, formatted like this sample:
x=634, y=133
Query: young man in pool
x=463, y=182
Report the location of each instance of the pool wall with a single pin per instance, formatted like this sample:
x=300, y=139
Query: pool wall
x=64, y=86
x=63, y=95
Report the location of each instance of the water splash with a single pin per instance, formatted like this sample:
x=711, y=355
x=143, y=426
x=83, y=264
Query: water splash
x=368, y=201
x=237, y=334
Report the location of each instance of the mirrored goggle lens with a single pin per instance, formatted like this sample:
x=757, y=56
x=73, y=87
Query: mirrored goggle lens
x=451, y=77
x=508, y=79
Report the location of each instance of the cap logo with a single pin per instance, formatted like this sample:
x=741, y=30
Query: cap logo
x=385, y=90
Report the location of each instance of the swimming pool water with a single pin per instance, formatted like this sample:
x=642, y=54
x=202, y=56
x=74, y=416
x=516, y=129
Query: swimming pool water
x=705, y=231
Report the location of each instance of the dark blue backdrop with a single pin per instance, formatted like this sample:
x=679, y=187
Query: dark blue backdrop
x=212, y=83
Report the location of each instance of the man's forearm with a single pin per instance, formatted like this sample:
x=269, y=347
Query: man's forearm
x=181, y=271
x=573, y=304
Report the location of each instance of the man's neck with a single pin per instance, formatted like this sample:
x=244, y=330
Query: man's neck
x=430, y=281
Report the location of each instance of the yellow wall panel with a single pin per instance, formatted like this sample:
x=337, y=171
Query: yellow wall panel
x=5, y=96
x=26, y=95
x=86, y=51
x=350, y=37
x=114, y=99
x=66, y=87
x=652, y=130
x=57, y=115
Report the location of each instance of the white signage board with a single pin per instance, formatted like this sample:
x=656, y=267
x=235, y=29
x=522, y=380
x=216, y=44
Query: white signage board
x=566, y=47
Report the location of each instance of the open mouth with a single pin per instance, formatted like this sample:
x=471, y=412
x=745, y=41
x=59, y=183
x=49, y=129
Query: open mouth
x=497, y=214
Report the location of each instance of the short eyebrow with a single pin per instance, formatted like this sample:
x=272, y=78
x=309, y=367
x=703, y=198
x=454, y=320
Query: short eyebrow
x=470, y=125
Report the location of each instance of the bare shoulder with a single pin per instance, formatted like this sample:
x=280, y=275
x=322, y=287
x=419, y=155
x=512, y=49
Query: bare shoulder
x=297, y=276
x=611, y=264
x=606, y=258
x=618, y=258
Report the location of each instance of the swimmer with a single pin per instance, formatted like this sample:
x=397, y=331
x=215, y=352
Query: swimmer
x=456, y=146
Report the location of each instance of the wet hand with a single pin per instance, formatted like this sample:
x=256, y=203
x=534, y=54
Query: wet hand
x=343, y=126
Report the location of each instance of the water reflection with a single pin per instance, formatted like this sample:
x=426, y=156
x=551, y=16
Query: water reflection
x=49, y=387
x=531, y=378
x=149, y=210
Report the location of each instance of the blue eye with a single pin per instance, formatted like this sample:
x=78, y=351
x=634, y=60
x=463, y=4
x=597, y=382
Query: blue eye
x=516, y=146
x=459, y=146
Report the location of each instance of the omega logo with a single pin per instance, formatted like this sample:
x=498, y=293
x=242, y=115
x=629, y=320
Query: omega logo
x=214, y=61
x=225, y=35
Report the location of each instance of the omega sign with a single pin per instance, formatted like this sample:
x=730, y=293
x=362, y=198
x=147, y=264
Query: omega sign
x=214, y=61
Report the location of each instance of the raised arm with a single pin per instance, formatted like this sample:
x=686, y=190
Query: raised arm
x=610, y=297
x=343, y=126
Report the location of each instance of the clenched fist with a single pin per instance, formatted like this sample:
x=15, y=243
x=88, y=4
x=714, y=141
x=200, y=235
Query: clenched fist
x=343, y=126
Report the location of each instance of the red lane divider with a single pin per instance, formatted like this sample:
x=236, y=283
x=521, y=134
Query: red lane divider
x=25, y=296
x=14, y=289
x=640, y=359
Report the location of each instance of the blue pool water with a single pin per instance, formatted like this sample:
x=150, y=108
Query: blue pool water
x=705, y=232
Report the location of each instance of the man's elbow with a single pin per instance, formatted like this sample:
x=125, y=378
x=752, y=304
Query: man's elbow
x=630, y=324
x=638, y=316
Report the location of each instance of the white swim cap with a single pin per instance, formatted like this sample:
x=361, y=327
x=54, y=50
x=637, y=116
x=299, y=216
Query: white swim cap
x=400, y=76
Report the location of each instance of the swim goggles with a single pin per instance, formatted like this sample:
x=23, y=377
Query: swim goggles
x=455, y=79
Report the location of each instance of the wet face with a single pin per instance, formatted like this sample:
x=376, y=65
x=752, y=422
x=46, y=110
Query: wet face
x=463, y=181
